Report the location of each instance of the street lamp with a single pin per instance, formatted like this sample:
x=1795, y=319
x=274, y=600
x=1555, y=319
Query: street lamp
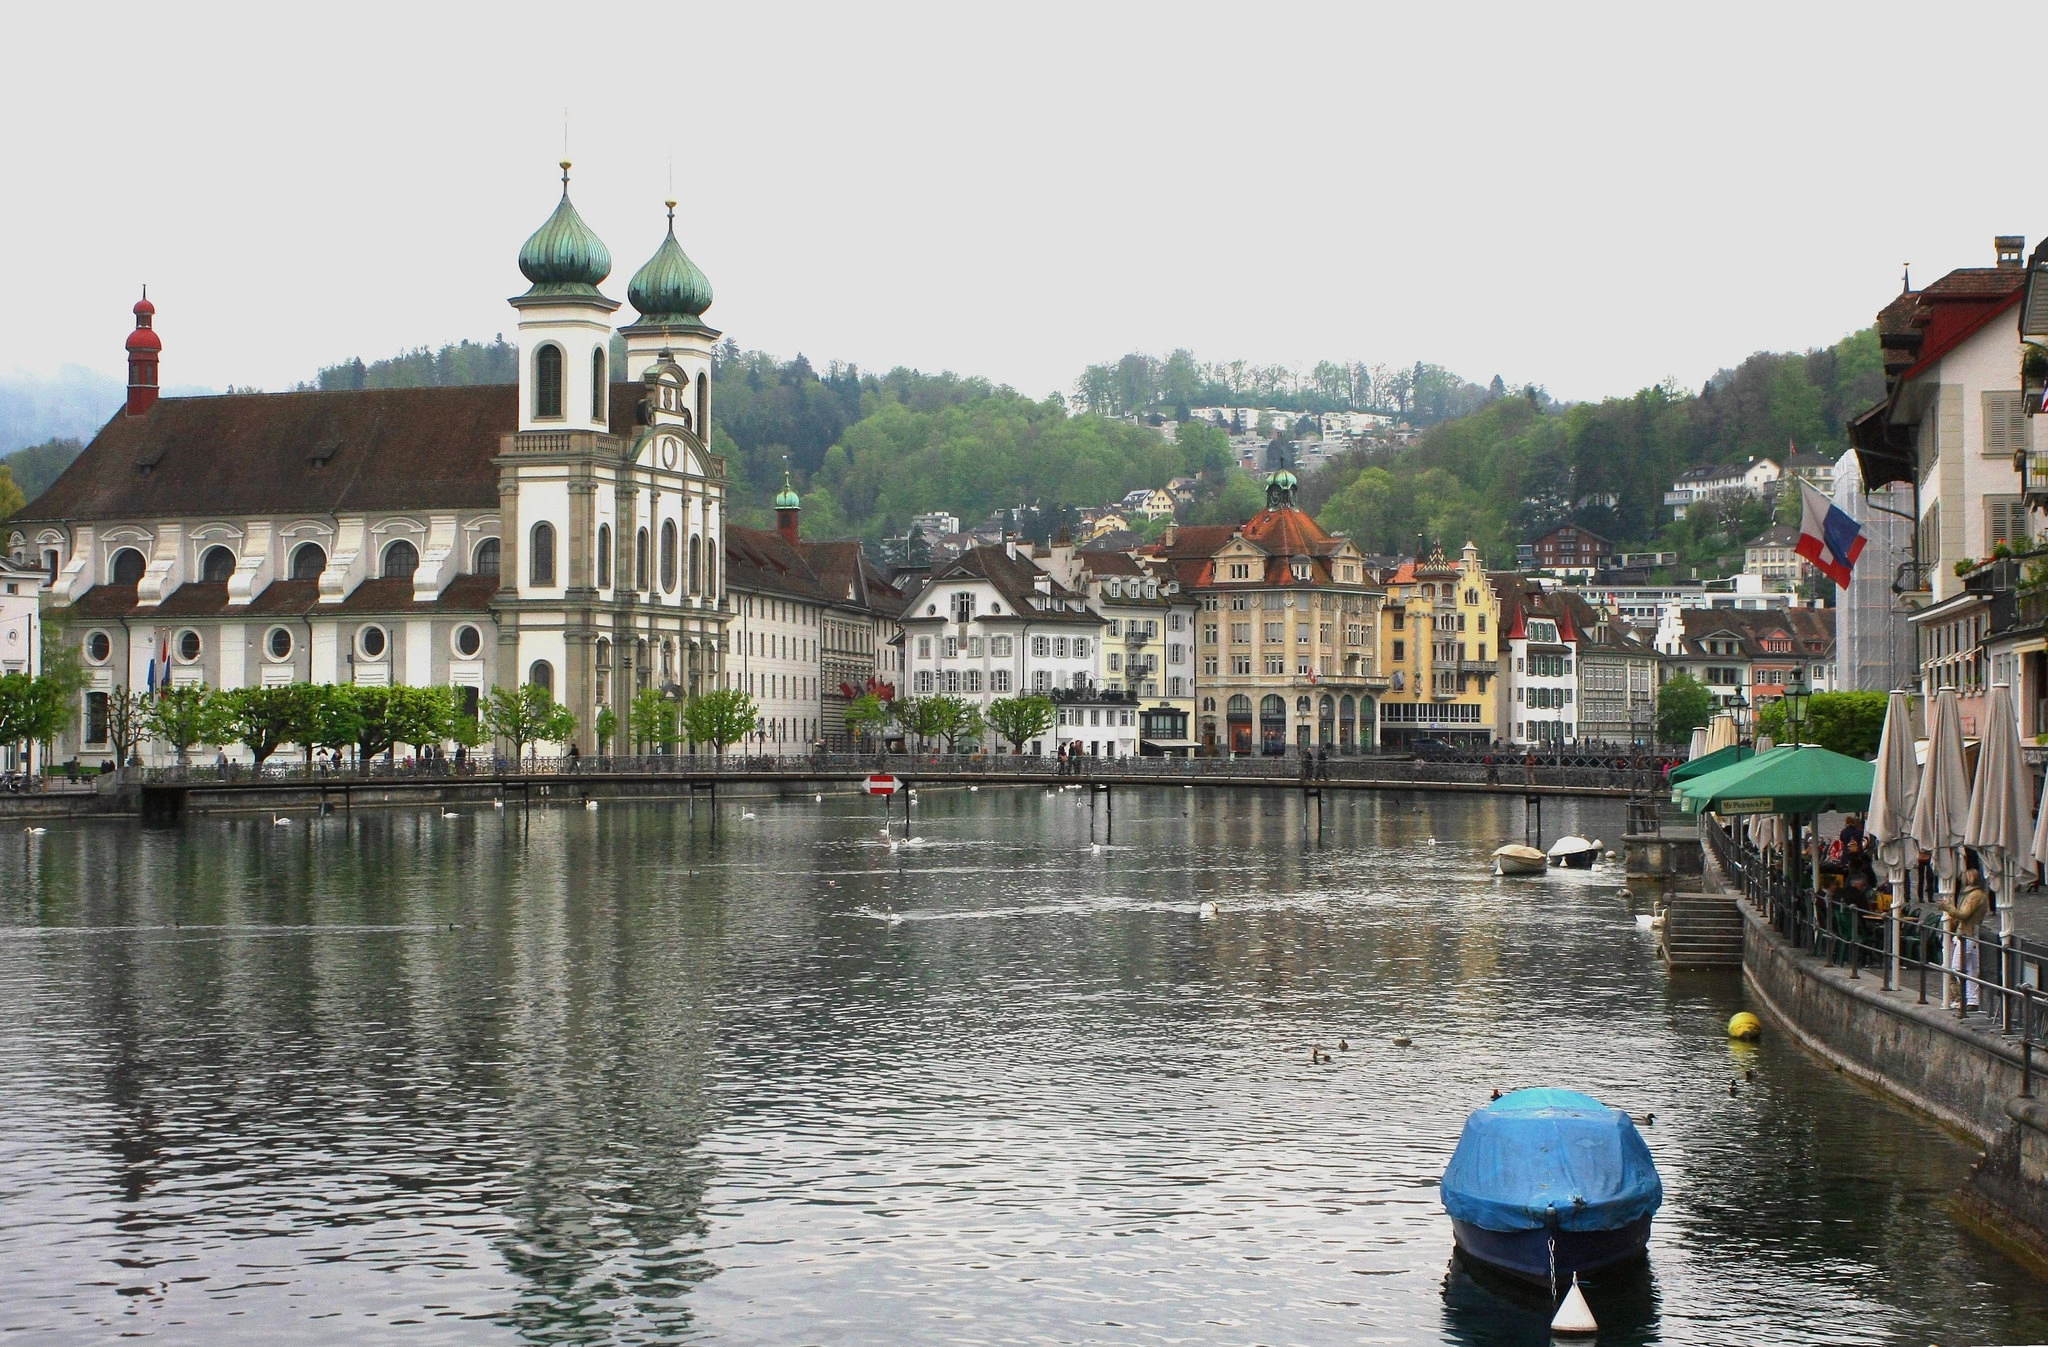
x=1738, y=704
x=1795, y=705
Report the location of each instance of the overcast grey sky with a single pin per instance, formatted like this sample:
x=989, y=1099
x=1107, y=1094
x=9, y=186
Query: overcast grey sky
x=1592, y=198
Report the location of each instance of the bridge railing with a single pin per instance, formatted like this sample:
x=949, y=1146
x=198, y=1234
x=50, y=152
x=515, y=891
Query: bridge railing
x=1382, y=769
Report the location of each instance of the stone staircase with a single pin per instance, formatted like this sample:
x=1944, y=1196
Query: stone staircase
x=1702, y=930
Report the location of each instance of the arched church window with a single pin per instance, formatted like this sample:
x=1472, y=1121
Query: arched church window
x=487, y=558
x=401, y=559
x=696, y=563
x=308, y=560
x=126, y=567
x=541, y=571
x=604, y=556
x=547, y=381
x=710, y=567
x=216, y=564
x=668, y=556
x=542, y=675
x=640, y=560
x=703, y=425
x=597, y=386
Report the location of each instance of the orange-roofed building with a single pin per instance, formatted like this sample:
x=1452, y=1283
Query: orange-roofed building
x=1287, y=643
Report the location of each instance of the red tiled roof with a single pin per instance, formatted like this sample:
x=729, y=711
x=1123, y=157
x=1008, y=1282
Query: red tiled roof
x=312, y=453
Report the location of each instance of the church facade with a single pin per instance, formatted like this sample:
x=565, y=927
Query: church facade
x=569, y=531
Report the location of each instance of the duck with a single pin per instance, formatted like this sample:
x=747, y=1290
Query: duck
x=1343, y=1046
x=1404, y=1042
x=1643, y=1119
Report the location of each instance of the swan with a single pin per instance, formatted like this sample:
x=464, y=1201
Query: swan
x=280, y=821
x=913, y=841
x=743, y=817
x=34, y=831
x=1208, y=911
x=449, y=813
x=1429, y=842
x=1095, y=848
x=818, y=798
x=590, y=804
x=497, y=804
x=972, y=789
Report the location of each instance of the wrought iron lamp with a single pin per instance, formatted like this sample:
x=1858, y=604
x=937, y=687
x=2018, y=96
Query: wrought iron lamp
x=1796, y=698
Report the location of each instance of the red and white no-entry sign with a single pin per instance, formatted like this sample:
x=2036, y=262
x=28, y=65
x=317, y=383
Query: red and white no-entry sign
x=883, y=785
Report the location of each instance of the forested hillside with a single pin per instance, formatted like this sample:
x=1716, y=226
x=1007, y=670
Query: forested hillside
x=1494, y=465
x=1518, y=464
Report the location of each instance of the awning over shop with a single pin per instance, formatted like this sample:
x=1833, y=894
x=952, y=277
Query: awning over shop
x=1170, y=743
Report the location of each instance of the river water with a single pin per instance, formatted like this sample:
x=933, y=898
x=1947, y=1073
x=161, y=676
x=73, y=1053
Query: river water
x=747, y=1075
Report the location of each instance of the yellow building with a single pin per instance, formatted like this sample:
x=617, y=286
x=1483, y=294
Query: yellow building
x=1440, y=650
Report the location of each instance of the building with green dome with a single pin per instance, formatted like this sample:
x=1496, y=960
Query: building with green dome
x=570, y=532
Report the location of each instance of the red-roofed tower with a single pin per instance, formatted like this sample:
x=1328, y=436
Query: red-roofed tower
x=143, y=349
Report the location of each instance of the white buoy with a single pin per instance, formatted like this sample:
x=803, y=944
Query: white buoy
x=1574, y=1317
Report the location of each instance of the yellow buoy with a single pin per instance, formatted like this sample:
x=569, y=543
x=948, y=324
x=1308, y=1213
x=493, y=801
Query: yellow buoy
x=1745, y=1025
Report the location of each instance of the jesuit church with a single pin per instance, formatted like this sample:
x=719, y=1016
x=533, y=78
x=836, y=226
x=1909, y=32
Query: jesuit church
x=567, y=532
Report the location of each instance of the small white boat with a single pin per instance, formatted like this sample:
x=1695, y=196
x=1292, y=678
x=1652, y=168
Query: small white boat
x=1516, y=859
x=1575, y=852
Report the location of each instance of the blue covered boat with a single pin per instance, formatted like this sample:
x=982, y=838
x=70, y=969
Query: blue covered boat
x=1546, y=1183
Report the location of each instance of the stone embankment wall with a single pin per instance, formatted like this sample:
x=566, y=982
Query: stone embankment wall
x=1960, y=1071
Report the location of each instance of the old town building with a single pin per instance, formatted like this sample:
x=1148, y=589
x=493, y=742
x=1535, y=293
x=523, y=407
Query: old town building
x=567, y=531
x=1147, y=652
x=1440, y=648
x=1286, y=649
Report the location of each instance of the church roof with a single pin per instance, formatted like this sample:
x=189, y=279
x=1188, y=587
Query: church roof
x=670, y=289
x=309, y=453
x=288, y=599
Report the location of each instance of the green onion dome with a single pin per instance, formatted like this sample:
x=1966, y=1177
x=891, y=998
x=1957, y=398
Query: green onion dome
x=670, y=288
x=786, y=499
x=564, y=257
x=1283, y=479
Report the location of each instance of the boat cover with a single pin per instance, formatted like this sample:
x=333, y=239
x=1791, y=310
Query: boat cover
x=1541, y=1158
x=1569, y=845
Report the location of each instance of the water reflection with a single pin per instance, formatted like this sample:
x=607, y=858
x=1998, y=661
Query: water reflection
x=655, y=1074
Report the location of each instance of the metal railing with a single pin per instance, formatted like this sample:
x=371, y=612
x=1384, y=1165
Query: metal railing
x=2009, y=990
x=1362, y=769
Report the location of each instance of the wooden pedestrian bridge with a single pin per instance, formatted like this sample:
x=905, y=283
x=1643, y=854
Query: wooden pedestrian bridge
x=165, y=796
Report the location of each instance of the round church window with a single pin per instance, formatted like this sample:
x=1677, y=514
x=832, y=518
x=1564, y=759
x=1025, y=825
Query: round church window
x=370, y=641
x=188, y=645
x=280, y=643
x=468, y=640
x=99, y=647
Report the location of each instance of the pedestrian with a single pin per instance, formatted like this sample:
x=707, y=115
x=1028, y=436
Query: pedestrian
x=1963, y=917
x=575, y=759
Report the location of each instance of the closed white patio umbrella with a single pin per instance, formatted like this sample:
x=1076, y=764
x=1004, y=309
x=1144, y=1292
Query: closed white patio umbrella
x=1698, y=748
x=1890, y=824
x=2001, y=822
x=1942, y=805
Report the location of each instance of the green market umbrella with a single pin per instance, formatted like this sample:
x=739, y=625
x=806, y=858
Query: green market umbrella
x=1790, y=780
x=1711, y=762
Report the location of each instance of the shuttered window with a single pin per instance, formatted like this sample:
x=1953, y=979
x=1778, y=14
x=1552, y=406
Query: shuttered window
x=2005, y=422
x=2005, y=520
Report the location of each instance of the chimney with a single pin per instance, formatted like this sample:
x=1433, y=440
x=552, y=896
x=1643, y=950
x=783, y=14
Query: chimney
x=2012, y=250
x=143, y=349
x=1010, y=545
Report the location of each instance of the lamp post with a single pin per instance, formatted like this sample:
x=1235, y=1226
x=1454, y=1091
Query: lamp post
x=1739, y=704
x=1795, y=705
